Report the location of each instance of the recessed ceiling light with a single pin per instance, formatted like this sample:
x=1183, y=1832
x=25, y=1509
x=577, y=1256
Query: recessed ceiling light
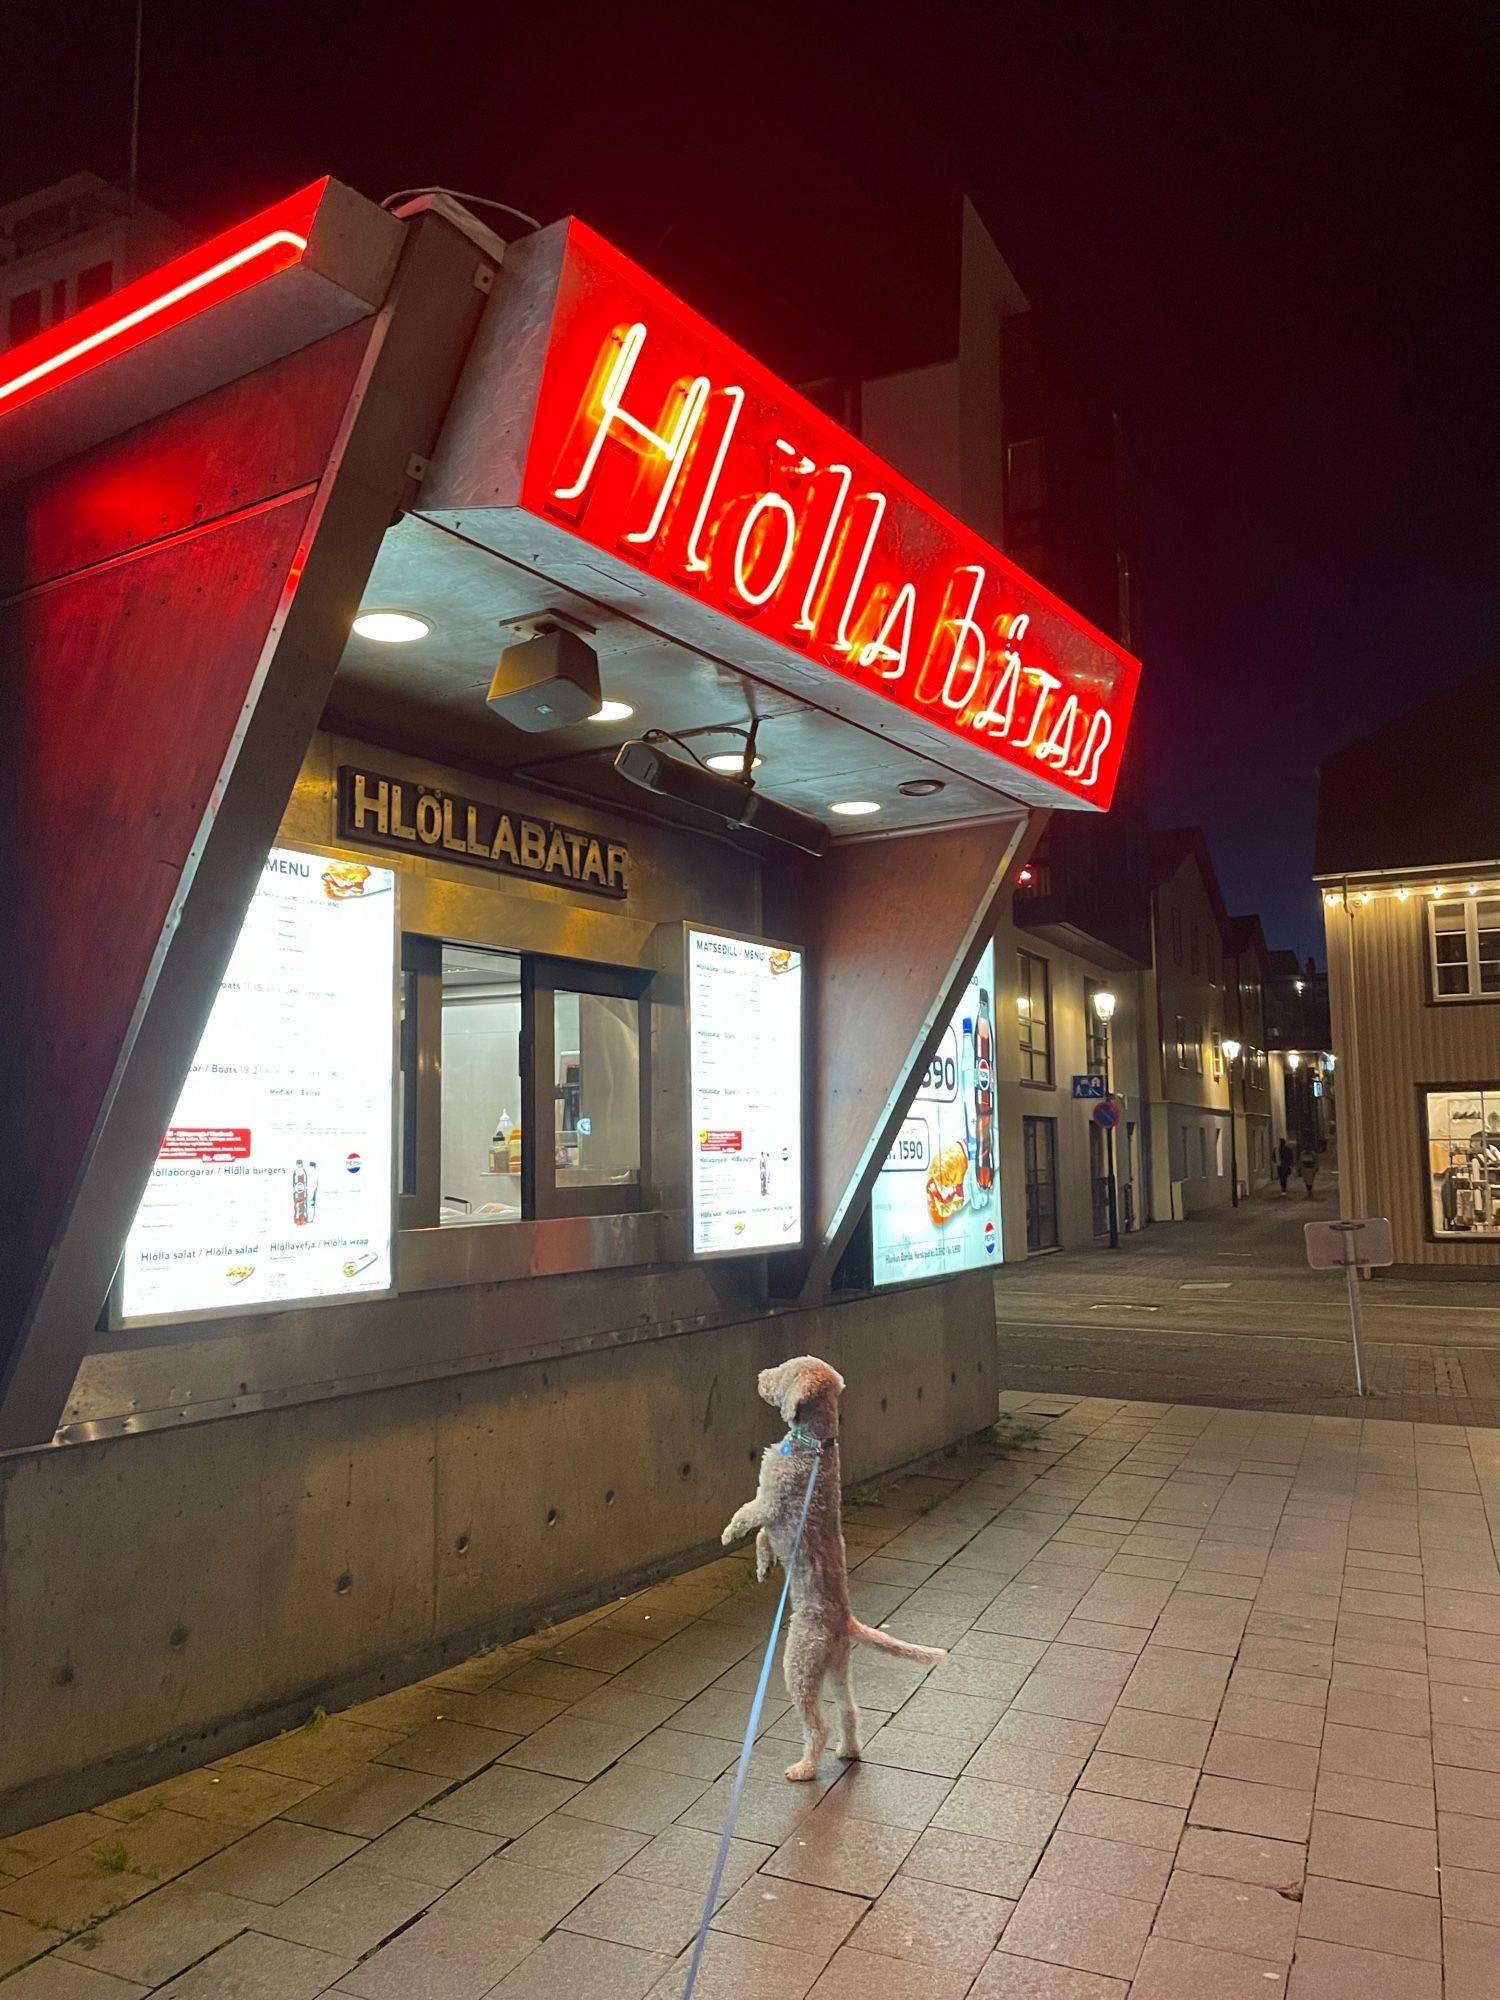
x=391, y=628
x=920, y=788
x=732, y=761
x=612, y=711
x=855, y=808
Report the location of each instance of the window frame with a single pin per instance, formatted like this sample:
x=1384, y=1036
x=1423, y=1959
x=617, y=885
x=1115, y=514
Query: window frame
x=1026, y=1019
x=542, y=978
x=1472, y=962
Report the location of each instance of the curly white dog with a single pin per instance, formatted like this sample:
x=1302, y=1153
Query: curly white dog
x=823, y=1629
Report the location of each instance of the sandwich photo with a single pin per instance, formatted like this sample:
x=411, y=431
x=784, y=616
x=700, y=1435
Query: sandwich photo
x=780, y=961
x=945, y=1183
x=342, y=879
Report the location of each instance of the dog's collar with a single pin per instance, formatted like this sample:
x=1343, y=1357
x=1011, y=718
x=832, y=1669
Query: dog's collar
x=800, y=1438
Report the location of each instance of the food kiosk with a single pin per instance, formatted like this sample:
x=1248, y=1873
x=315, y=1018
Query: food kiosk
x=512, y=803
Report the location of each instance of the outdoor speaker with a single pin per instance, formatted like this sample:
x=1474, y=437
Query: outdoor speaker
x=547, y=682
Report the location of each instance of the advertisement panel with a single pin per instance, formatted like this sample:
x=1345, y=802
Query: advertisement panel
x=273, y=1185
x=745, y=1037
x=935, y=1207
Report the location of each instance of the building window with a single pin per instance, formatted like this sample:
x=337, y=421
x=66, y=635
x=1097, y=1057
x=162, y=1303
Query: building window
x=520, y=1089
x=1095, y=1032
x=25, y=317
x=1196, y=950
x=1026, y=476
x=1219, y=1151
x=1195, y=1051
x=1463, y=1160
x=1177, y=937
x=1182, y=1042
x=96, y=283
x=1034, y=1012
x=1202, y=1153
x=1465, y=948
x=1218, y=1044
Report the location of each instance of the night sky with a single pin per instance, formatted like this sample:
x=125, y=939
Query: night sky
x=1275, y=228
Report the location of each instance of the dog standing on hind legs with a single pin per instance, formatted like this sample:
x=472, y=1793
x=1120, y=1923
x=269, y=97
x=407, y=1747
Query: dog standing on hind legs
x=823, y=1630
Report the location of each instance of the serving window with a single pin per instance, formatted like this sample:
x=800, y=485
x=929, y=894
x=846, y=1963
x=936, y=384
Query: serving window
x=522, y=1086
x=1463, y=1160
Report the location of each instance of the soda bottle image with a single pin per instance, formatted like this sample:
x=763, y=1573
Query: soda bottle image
x=984, y=1099
x=312, y=1190
x=301, y=1210
x=765, y=1174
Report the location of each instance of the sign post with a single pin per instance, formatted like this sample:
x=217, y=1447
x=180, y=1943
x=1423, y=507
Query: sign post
x=1355, y=1248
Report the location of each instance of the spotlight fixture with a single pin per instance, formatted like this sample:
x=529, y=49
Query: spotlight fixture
x=855, y=808
x=391, y=628
x=1402, y=894
x=1365, y=896
x=732, y=800
x=612, y=711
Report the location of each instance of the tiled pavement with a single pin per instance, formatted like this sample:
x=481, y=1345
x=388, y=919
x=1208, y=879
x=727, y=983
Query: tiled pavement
x=1221, y=1721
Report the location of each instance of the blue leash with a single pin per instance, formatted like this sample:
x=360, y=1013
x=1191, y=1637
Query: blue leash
x=737, y=1791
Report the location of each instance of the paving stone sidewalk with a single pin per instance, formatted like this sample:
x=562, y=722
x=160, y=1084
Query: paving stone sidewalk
x=1220, y=1721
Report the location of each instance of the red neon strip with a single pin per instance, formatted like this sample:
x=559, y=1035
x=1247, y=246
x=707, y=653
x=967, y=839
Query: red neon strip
x=192, y=283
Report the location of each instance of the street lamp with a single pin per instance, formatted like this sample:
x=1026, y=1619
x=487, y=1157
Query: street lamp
x=1104, y=1007
x=1231, y=1050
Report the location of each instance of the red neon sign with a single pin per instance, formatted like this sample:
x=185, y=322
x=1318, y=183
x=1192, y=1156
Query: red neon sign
x=658, y=441
x=164, y=298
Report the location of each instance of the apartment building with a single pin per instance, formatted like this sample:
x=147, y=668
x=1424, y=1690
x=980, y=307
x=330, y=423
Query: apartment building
x=1184, y=1025
x=64, y=247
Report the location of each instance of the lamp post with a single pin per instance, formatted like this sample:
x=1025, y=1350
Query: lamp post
x=1104, y=1007
x=1231, y=1056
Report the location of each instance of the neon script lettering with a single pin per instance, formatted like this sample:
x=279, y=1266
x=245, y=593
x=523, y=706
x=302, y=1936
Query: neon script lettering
x=680, y=455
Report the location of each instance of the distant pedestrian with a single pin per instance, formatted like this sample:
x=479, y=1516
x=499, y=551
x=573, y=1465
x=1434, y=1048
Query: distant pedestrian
x=1286, y=1159
x=1307, y=1166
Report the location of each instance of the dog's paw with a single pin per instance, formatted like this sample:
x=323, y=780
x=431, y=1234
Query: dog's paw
x=728, y=1536
x=803, y=1773
x=850, y=1752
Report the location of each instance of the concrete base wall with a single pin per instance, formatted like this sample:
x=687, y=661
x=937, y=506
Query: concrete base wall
x=171, y=1596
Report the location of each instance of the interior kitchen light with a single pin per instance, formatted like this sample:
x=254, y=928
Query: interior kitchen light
x=855, y=808
x=391, y=628
x=732, y=762
x=612, y=711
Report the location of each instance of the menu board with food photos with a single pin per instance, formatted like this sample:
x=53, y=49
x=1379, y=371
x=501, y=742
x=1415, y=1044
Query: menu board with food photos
x=745, y=1032
x=273, y=1185
x=935, y=1207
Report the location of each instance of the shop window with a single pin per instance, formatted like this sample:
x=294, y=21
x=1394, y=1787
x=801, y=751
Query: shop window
x=1463, y=1160
x=1034, y=1011
x=521, y=1086
x=1464, y=941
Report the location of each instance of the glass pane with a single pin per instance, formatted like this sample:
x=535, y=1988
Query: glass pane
x=481, y=1086
x=1489, y=976
x=406, y=1083
x=1453, y=979
x=1450, y=949
x=1463, y=1161
x=1447, y=916
x=597, y=1090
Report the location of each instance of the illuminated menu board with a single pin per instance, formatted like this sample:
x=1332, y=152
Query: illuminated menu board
x=274, y=1184
x=935, y=1207
x=745, y=1030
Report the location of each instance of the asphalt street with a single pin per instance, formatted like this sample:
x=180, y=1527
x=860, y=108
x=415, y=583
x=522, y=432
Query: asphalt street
x=1224, y=1310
